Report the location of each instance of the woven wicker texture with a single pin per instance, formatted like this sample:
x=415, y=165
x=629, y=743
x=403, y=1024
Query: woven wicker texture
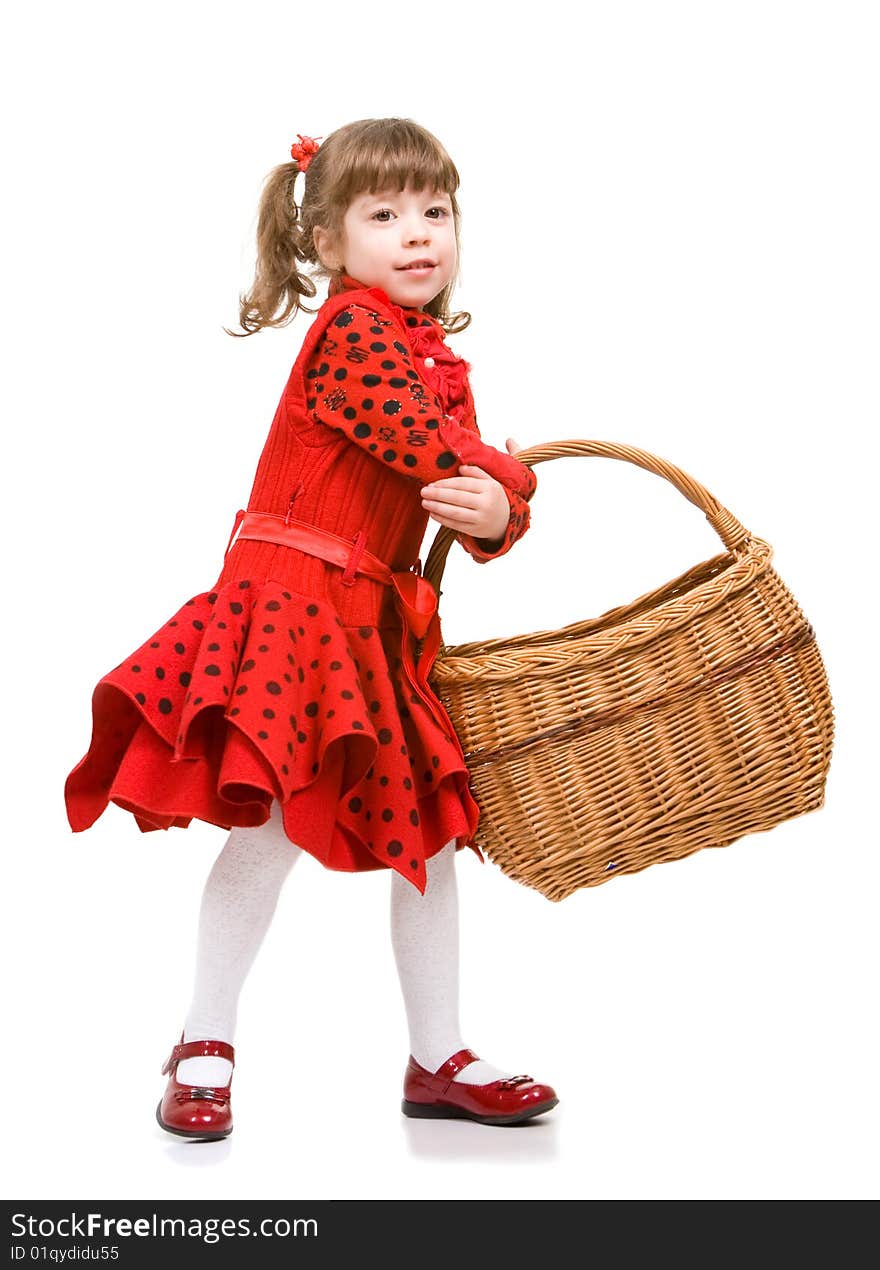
x=693, y=716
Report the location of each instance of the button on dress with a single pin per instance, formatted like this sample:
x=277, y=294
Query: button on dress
x=288, y=678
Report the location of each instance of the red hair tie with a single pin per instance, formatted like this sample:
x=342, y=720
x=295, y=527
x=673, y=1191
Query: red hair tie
x=304, y=151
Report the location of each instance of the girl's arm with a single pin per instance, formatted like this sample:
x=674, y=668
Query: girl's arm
x=361, y=381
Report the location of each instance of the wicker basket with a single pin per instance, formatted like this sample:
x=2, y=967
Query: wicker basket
x=693, y=716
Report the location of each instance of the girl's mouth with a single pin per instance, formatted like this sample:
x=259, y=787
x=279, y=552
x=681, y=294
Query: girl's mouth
x=420, y=268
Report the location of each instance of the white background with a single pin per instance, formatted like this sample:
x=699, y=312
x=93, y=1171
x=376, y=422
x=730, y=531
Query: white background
x=670, y=239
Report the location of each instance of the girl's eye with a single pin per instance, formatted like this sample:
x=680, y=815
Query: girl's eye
x=385, y=211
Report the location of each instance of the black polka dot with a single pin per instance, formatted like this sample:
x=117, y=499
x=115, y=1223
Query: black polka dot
x=395, y=848
x=160, y=673
x=139, y=696
x=269, y=629
x=414, y=817
x=212, y=669
x=165, y=706
x=136, y=669
x=355, y=804
x=236, y=607
x=273, y=606
x=312, y=610
x=184, y=678
x=384, y=735
x=179, y=648
x=273, y=687
x=249, y=664
x=312, y=709
x=387, y=814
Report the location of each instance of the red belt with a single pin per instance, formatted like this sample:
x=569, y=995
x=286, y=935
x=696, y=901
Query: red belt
x=414, y=597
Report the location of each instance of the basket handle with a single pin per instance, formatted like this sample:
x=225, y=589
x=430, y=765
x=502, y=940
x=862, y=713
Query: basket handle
x=730, y=531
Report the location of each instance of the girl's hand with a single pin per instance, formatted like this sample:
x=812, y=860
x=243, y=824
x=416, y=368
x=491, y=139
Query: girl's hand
x=472, y=502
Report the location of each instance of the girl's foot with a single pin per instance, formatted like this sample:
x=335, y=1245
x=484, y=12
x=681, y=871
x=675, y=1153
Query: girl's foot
x=196, y=1111
x=504, y=1100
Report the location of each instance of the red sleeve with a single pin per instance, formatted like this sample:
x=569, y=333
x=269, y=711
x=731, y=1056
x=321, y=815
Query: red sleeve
x=360, y=380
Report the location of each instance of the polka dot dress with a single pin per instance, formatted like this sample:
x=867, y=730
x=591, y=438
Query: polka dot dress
x=259, y=689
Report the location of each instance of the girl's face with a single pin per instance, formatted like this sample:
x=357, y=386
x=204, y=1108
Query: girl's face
x=385, y=233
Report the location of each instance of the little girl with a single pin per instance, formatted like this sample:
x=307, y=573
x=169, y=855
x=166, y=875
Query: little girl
x=290, y=704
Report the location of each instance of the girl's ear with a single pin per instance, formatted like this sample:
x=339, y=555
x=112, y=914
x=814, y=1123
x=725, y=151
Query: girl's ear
x=324, y=247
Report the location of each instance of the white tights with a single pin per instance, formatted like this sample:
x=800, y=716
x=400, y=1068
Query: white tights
x=238, y=903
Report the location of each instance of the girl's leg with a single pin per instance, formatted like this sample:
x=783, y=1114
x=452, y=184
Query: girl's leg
x=238, y=903
x=424, y=936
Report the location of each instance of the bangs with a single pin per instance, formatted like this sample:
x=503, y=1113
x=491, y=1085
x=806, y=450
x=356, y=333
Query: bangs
x=395, y=154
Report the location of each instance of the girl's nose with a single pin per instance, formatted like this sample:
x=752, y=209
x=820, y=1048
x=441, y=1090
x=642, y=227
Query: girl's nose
x=418, y=233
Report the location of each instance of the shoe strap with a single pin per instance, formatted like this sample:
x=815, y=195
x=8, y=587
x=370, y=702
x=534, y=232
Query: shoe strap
x=454, y=1064
x=198, y=1049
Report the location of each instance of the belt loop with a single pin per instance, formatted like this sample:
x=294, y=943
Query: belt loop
x=360, y=542
x=239, y=516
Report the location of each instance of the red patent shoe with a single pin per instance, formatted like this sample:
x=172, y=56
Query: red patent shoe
x=196, y=1111
x=505, y=1101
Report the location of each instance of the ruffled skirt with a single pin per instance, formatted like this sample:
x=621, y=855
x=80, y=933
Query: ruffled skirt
x=252, y=692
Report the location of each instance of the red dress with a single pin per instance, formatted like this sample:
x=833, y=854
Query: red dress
x=289, y=678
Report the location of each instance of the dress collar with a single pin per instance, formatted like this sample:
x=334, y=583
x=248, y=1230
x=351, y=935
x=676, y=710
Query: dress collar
x=411, y=316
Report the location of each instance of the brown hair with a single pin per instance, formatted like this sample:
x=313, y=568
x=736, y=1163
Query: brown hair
x=359, y=157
